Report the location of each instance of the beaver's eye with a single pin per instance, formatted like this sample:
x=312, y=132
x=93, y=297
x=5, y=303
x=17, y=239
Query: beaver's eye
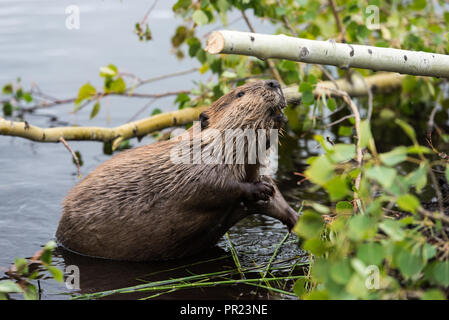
x=240, y=94
x=275, y=112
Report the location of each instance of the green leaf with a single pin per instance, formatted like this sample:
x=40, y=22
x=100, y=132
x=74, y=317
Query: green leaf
x=7, y=89
x=307, y=98
x=7, y=108
x=356, y=286
x=371, y=253
x=387, y=114
x=441, y=273
x=419, y=4
x=85, y=92
x=109, y=71
x=433, y=294
x=310, y=225
x=57, y=273
x=182, y=4
x=365, y=133
x=395, y=156
x=318, y=207
x=317, y=295
x=194, y=46
x=118, y=85
x=418, y=178
x=409, y=264
x=8, y=286
x=320, y=171
x=341, y=272
x=361, y=227
x=21, y=265
x=315, y=246
x=331, y=104
x=299, y=287
x=182, y=97
x=344, y=207
x=27, y=97
x=342, y=153
x=305, y=87
x=280, y=11
x=337, y=188
x=393, y=229
x=30, y=293
x=47, y=252
x=156, y=111
x=95, y=110
x=229, y=74
x=416, y=149
x=200, y=17
x=408, y=203
x=408, y=129
x=428, y=251
x=50, y=245
x=409, y=84
x=345, y=131
x=385, y=176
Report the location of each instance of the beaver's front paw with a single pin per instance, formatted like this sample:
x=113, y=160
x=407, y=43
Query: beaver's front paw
x=261, y=191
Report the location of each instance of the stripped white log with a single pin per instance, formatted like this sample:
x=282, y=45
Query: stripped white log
x=342, y=55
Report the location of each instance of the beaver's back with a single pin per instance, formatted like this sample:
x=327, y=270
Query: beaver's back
x=136, y=206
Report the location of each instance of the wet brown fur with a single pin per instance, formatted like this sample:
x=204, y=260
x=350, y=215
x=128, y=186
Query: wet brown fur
x=140, y=206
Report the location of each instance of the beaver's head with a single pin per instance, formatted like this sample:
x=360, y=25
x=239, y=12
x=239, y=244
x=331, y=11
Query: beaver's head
x=255, y=105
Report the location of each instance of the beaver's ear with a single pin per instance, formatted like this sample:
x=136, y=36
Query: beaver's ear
x=204, y=119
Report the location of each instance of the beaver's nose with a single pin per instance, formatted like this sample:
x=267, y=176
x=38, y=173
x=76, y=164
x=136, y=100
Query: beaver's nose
x=273, y=84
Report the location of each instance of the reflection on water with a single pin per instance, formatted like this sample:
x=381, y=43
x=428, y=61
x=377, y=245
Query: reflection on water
x=254, y=242
x=35, y=177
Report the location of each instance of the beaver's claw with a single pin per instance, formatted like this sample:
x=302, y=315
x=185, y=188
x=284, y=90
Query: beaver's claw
x=261, y=191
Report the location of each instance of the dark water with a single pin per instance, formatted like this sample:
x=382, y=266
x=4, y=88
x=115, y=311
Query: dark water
x=34, y=177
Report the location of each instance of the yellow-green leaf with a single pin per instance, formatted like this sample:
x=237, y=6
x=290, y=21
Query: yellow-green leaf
x=85, y=92
x=95, y=110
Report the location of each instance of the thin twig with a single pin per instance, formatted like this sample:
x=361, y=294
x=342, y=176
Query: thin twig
x=145, y=17
x=338, y=121
x=269, y=62
x=370, y=96
x=145, y=107
x=337, y=19
x=359, y=154
x=433, y=215
x=286, y=22
x=75, y=157
x=431, y=122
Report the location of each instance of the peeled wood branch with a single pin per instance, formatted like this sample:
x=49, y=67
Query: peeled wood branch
x=357, y=87
x=342, y=55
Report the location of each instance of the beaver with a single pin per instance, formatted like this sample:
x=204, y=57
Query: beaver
x=140, y=205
